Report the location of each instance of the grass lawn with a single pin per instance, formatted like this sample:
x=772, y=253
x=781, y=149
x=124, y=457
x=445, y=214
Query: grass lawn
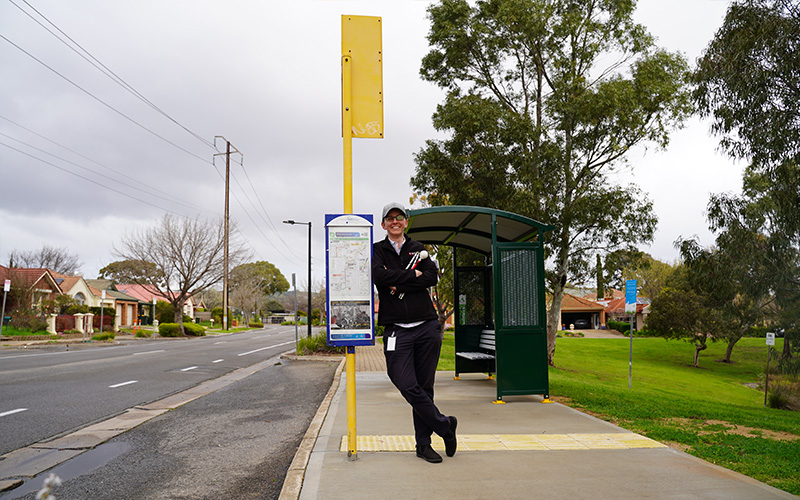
x=13, y=332
x=708, y=412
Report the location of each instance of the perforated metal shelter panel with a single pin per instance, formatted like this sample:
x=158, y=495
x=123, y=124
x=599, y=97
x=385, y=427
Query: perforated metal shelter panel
x=519, y=289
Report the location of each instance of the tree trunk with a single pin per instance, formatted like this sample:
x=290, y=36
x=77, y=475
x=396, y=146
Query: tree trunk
x=729, y=350
x=553, y=322
x=697, y=348
x=178, y=316
x=787, y=347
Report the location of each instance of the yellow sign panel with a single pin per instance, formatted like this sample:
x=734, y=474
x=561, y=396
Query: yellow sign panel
x=361, y=41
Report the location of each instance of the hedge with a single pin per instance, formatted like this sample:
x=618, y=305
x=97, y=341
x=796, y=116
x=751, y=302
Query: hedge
x=174, y=330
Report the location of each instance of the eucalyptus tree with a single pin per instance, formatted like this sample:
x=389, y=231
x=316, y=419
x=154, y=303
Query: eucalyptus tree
x=544, y=99
x=748, y=83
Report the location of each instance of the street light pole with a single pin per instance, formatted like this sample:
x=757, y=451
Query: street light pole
x=293, y=222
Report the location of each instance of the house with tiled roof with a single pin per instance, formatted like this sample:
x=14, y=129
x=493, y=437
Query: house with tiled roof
x=128, y=308
x=81, y=291
x=615, y=310
x=576, y=309
x=146, y=294
x=609, y=295
x=37, y=285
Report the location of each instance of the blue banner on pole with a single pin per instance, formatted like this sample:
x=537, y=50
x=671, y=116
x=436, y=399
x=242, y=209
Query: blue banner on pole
x=630, y=296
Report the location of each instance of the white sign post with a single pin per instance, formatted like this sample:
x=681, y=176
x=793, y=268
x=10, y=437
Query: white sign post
x=102, y=306
x=770, y=343
x=630, y=306
x=6, y=288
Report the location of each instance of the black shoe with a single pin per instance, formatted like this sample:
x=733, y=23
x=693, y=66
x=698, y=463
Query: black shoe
x=425, y=451
x=450, y=441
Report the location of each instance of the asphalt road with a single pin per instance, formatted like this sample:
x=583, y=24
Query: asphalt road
x=49, y=392
x=236, y=442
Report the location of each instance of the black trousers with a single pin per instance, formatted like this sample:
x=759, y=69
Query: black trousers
x=412, y=369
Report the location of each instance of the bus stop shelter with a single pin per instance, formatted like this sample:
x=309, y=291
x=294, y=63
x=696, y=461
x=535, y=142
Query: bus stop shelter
x=500, y=316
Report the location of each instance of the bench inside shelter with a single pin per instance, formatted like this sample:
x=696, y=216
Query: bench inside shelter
x=481, y=357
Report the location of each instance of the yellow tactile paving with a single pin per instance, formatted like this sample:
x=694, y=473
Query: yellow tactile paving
x=561, y=442
x=512, y=442
x=521, y=442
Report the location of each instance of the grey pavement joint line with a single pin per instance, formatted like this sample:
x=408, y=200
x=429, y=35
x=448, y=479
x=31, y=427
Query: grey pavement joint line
x=36, y=458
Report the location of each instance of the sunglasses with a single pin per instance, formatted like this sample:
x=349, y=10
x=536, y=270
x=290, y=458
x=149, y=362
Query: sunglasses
x=398, y=218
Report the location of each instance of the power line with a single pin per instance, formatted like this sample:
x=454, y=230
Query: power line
x=258, y=227
x=170, y=196
x=262, y=204
x=90, y=180
x=91, y=59
x=102, y=101
x=97, y=64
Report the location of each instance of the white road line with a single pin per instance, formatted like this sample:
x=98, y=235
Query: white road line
x=129, y=382
x=11, y=412
x=147, y=352
x=220, y=342
x=218, y=360
x=190, y=368
x=263, y=348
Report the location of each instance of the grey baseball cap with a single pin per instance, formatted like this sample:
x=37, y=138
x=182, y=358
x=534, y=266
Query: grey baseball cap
x=393, y=206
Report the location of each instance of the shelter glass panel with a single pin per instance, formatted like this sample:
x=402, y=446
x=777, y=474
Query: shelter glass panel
x=473, y=296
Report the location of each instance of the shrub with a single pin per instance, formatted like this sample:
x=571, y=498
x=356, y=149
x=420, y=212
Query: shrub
x=620, y=326
x=108, y=312
x=216, y=315
x=144, y=333
x=165, y=313
x=784, y=393
x=169, y=330
x=316, y=345
x=256, y=324
x=193, y=330
x=104, y=336
x=27, y=320
x=77, y=309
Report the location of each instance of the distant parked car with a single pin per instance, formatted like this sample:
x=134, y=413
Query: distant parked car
x=581, y=324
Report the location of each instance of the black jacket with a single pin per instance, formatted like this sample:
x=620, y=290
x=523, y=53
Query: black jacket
x=389, y=269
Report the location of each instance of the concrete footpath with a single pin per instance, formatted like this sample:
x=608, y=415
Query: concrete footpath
x=520, y=450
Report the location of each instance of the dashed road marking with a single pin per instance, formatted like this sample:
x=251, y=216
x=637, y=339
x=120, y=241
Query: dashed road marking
x=11, y=412
x=264, y=348
x=187, y=369
x=129, y=382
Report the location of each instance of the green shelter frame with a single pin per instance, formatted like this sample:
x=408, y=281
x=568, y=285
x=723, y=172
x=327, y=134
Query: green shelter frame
x=506, y=297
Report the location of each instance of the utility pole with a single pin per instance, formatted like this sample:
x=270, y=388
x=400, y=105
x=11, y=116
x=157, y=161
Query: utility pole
x=225, y=316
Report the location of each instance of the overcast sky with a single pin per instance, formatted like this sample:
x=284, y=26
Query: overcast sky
x=91, y=162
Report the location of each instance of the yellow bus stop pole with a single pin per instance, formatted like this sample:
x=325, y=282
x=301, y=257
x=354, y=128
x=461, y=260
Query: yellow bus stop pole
x=347, y=136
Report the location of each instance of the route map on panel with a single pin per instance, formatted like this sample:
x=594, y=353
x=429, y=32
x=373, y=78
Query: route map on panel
x=349, y=259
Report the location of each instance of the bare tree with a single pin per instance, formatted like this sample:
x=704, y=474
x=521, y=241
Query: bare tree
x=55, y=259
x=188, y=255
x=249, y=298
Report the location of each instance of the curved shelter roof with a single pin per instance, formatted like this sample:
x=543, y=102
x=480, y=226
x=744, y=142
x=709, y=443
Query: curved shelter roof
x=471, y=227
